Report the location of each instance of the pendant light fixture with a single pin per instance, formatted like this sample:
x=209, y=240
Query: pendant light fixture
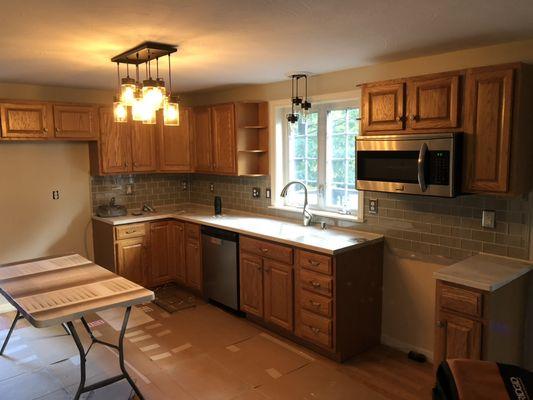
x=147, y=98
x=298, y=102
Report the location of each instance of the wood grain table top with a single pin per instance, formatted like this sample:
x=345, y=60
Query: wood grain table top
x=50, y=291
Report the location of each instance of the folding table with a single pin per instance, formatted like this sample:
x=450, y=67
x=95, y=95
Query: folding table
x=58, y=290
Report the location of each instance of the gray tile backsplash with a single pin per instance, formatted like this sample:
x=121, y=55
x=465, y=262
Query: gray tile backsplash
x=432, y=226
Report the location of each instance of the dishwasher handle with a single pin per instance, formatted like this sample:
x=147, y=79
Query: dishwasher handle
x=220, y=233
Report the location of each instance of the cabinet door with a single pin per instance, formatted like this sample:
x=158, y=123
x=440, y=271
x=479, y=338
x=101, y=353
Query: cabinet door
x=131, y=259
x=203, y=149
x=143, y=147
x=489, y=102
x=193, y=258
x=433, y=102
x=115, y=147
x=457, y=337
x=251, y=281
x=278, y=294
x=176, y=250
x=161, y=270
x=223, y=136
x=383, y=107
x=26, y=121
x=75, y=122
x=174, y=144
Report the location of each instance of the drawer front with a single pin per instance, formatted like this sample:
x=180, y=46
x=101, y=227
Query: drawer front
x=192, y=232
x=130, y=231
x=316, y=283
x=316, y=329
x=315, y=262
x=315, y=303
x=266, y=249
x=461, y=300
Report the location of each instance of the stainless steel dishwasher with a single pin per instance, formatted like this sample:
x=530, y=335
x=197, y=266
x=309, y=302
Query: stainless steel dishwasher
x=220, y=255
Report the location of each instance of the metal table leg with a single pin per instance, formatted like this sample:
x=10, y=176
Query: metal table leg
x=120, y=347
x=8, y=336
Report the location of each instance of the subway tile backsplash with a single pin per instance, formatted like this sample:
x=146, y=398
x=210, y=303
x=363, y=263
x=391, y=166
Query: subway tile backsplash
x=431, y=226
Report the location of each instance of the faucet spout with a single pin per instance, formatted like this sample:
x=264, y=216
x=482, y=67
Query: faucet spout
x=306, y=215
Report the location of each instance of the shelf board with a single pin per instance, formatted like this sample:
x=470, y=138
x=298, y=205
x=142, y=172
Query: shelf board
x=253, y=151
x=254, y=127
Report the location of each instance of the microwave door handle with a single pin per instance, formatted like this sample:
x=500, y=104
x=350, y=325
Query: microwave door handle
x=421, y=165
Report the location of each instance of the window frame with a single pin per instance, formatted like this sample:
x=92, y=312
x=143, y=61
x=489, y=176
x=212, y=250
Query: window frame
x=323, y=107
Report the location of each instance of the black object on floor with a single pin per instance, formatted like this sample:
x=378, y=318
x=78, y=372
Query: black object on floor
x=172, y=298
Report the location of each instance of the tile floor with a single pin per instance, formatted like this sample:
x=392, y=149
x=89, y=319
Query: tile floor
x=201, y=353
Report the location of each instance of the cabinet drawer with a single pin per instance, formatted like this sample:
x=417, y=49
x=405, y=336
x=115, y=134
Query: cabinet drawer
x=266, y=249
x=316, y=329
x=315, y=262
x=130, y=231
x=461, y=300
x=315, y=303
x=192, y=232
x=316, y=283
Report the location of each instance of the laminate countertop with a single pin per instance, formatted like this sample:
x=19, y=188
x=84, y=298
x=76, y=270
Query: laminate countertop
x=329, y=241
x=483, y=272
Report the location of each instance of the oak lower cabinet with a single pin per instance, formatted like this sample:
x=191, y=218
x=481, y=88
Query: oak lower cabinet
x=480, y=325
x=149, y=253
x=331, y=304
x=193, y=257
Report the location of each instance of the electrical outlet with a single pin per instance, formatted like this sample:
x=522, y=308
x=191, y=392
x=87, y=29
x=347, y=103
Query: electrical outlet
x=184, y=185
x=256, y=192
x=55, y=194
x=212, y=187
x=373, y=206
x=268, y=193
x=488, y=219
x=129, y=189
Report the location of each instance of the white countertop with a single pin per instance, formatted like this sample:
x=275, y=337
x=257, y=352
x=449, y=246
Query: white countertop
x=483, y=272
x=330, y=241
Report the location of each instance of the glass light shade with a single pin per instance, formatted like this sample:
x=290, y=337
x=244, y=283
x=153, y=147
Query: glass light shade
x=150, y=117
x=127, y=93
x=171, y=114
x=120, y=112
x=141, y=110
x=152, y=94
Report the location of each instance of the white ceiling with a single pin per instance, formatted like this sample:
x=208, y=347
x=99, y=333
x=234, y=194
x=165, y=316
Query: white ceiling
x=69, y=43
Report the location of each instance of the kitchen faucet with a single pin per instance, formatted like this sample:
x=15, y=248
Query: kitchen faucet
x=306, y=215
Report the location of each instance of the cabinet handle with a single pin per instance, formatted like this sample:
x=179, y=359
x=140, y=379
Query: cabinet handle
x=58, y=130
x=315, y=304
x=314, y=263
x=264, y=250
x=440, y=324
x=314, y=284
x=413, y=117
x=129, y=232
x=180, y=228
x=399, y=119
x=315, y=330
x=45, y=130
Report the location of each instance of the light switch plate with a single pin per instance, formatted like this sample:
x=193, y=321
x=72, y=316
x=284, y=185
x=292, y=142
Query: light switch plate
x=373, y=206
x=256, y=192
x=488, y=219
x=184, y=185
x=212, y=187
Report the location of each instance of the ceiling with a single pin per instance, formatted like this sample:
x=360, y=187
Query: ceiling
x=222, y=43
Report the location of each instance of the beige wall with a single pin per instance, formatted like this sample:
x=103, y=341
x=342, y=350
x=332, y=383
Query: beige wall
x=345, y=80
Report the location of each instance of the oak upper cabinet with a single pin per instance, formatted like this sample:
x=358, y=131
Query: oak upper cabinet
x=489, y=108
x=278, y=294
x=193, y=257
x=433, y=102
x=143, y=147
x=174, y=144
x=203, y=148
x=132, y=258
x=161, y=269
x=383, y=107
x=251, y=284
x=176, y=250
x=26, y=120
x=113, y=153
x=75, y=122
x=223, y=138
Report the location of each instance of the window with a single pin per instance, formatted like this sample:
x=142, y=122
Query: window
x=320, y=151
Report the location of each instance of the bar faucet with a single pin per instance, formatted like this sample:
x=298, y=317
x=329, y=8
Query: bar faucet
x=306, y=215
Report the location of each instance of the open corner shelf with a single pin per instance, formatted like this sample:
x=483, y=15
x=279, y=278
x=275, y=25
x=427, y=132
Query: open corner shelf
x=252, y=138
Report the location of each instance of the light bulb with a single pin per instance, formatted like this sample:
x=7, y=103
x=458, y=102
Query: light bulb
x=152, y=94
x=141, y=110
x=120, y=112
x=150, y=117
x=171, y=114
x=127, y=94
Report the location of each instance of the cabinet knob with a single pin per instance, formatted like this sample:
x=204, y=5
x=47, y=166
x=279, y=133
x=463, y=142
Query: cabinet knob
x=399, y=118
x=440, y=324
x=314, y=284
x=413, y=117
x=315, y=330
x=264, y=250
x=58, y=130
x=314, y=263
x=45, y=130
x=315, y=304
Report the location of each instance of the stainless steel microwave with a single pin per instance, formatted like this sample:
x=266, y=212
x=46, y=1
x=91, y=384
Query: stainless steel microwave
x=424, y=164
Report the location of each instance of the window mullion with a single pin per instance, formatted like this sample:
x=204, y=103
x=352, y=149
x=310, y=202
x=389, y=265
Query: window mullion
x=322, y=149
